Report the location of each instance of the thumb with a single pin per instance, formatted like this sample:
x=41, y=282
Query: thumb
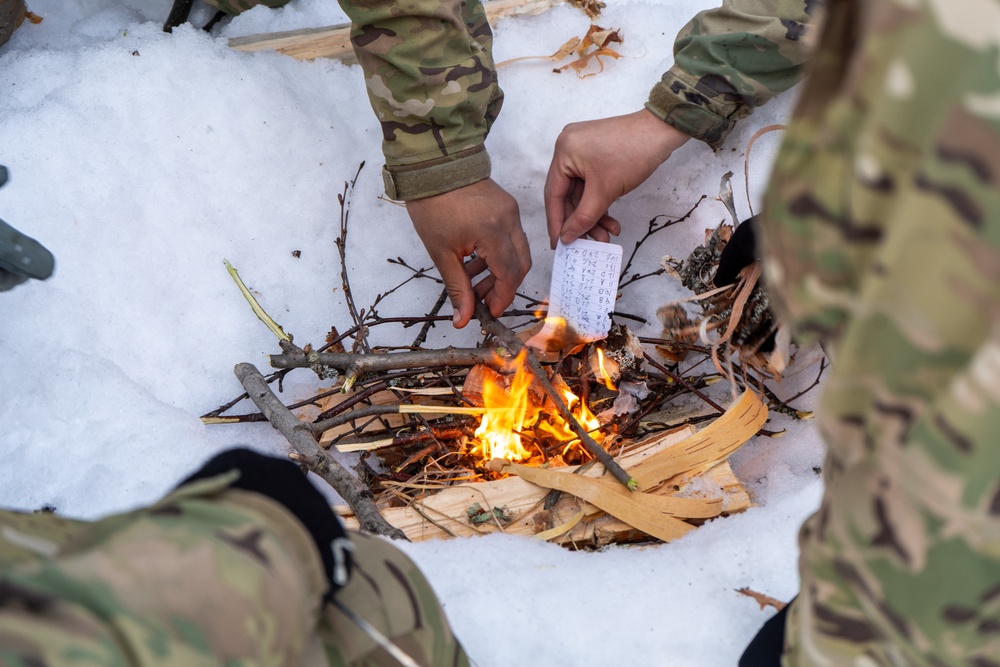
x=592, y=207
x=459, y=288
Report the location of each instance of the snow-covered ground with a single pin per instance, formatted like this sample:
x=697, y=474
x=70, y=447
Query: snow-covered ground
x=142, y=160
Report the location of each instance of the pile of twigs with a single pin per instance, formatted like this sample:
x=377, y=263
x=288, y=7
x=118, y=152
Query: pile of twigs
x=378, y=398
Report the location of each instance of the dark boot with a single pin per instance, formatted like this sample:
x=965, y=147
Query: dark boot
x=766, y=648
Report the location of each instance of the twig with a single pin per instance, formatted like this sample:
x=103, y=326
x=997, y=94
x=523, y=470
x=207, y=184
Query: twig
x=652, y=229
x=424, y=330
x=255, y=306
x=354, y=365
x=361, y=413
x=680, y=380
x=341, y=242
x=417, y=273
x=513, y=343
x=381, y=384
x=406, y=409
x=637, y=277
x=298, y=434
x=629, y=316
x=819, y=376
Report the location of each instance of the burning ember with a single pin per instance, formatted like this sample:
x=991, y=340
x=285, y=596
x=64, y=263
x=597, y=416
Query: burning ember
x=516, y=410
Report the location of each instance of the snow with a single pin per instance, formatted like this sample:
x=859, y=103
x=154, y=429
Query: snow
x=143, y=160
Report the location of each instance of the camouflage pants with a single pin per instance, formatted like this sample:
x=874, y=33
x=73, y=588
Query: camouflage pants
x=386, y=590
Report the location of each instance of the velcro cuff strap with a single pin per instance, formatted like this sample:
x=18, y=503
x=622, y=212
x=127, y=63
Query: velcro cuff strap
x=692, y=118
x=426, y=179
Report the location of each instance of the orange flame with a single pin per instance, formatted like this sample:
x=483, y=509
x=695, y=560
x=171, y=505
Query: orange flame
x=560, y=430
x=605, y=376
x=499, y=431
x=513, y=412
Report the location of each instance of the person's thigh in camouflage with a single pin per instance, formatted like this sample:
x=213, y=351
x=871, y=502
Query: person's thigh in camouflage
x=397, y=609
x=883, y=237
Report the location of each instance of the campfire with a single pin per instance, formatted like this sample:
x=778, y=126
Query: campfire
x=486, y=449
x=582, y=445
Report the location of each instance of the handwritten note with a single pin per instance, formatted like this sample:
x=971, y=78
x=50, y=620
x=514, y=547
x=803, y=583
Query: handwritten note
x=584, y=286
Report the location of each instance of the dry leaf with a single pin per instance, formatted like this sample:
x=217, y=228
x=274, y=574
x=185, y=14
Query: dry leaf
x=591, y=7
x=595, y=44
x=762, y=600
x=599, y=37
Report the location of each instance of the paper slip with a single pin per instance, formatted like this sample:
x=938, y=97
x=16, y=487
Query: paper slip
x=583, y=290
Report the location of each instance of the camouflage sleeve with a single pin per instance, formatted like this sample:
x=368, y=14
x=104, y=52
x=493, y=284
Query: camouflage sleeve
x=209, y=575
x=431, y=80
x=729, y=60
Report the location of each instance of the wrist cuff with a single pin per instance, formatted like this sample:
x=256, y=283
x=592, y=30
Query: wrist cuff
x=695, y=110
x=434, y=177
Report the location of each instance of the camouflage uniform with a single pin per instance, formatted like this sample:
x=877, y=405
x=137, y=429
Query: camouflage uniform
x=211, y=574
x=882, y=239
x=432, y=83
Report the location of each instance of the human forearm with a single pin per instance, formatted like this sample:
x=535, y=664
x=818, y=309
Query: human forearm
x=730, y=60
x=431, y=81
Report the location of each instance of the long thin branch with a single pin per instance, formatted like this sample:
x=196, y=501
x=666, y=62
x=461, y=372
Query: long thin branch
x=341, y=242
x=350, y=488
x=513, y=343
x=361, y=413
x=354, y=365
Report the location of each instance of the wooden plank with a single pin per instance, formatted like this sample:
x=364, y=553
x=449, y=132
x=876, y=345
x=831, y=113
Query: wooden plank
x=445, y=513
x=335, y=41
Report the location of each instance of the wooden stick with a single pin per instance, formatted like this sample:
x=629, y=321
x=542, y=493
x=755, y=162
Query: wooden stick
x=513, y=343
x=335, y=41
x=321, y=427
x=445, y=410
x=350, y=488
x=354, y=365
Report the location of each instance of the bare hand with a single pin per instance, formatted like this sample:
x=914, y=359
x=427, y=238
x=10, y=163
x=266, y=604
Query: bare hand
x=595, y=163
x=480, y=218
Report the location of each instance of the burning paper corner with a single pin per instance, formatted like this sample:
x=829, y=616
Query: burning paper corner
x=582, y=294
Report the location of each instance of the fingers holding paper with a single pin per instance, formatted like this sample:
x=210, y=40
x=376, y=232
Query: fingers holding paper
x=596, y=162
